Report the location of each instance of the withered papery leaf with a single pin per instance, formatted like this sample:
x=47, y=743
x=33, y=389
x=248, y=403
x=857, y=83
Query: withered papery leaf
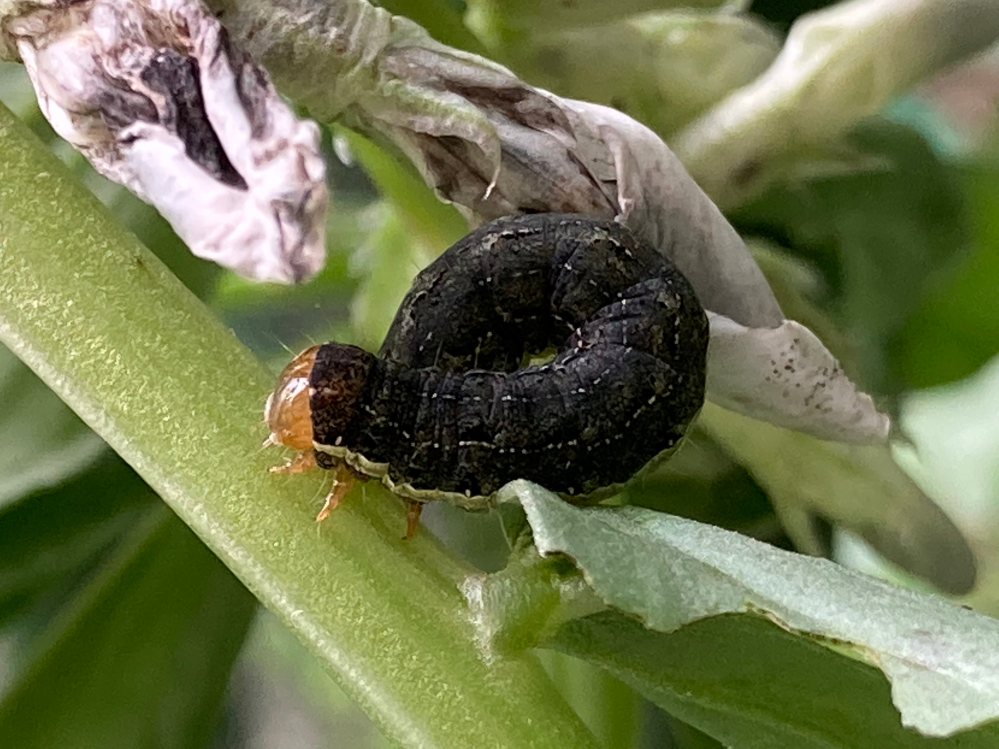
x=494, y=146
x=538, y=152
x=751, y=368
x=566, y=155
x=157, y=99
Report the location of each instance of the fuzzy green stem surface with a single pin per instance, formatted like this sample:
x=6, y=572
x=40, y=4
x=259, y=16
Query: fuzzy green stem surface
x=149, y=368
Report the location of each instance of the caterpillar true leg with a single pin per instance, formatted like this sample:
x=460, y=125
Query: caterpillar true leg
x=304, y=461
x=343, y=480
x=413, y=510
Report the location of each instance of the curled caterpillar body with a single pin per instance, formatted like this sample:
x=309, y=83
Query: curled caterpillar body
x=447, y=407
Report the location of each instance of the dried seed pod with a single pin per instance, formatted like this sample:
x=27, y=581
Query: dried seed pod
x=158, y=99
x=448, y=410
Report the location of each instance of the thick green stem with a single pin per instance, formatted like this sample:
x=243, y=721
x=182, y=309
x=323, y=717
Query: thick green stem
x=154, y=373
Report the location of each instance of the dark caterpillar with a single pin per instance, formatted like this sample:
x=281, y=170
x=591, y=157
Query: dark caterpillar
x=447, y=409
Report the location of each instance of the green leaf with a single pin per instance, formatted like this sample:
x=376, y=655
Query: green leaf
x=275, y=659
x=173, y=392
x=857, y=486
x=942, y=660
x=386, y=262
x=142, y=657
x=51, y=537
x=662, y=68
x=44, y=442
x=751, y=684
x=955, y=330
x=519, y=17
x=879, y=235
x=838, y=65
x=683, y=735
x=430, y=221
x=441, y=18
x=701, y=483
x=860, y=488
x=610, y=708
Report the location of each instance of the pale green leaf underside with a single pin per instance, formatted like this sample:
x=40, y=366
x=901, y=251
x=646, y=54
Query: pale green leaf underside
x=942, y=660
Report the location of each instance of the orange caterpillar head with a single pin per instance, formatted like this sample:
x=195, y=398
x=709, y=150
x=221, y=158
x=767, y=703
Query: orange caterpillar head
x=287, y=412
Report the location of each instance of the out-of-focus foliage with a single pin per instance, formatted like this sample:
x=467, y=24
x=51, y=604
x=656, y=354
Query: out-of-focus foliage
x=955, y=328
x=692, y=59
x=123, y=627
x=784, y=12
x=142, y=655
x=880, y=233
x=727, y=662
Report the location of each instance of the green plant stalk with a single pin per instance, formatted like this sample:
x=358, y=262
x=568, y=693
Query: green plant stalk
x=149, y=368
